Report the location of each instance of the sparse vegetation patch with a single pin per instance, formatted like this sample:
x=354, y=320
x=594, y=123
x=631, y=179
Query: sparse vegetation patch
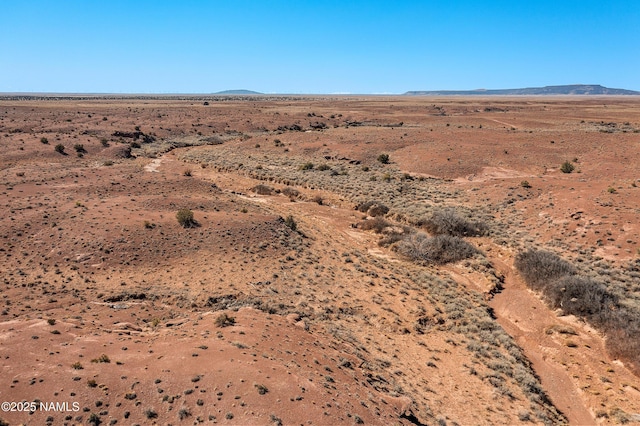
x=539, y=267
x=562, y=288
x=450, y=222
x=384, y=158
x=185, y=218
x=440, y=249
x=224, y=320
x=567, y=167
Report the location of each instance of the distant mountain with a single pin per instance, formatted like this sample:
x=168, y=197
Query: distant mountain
x=572, y=89
x=238, y=92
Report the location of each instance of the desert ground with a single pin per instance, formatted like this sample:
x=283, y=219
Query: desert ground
x=307, y=287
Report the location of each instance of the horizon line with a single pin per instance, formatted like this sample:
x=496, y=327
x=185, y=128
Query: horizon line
x=248, y=92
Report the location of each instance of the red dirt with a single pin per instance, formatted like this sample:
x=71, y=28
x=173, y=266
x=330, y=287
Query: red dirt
x=325, y=319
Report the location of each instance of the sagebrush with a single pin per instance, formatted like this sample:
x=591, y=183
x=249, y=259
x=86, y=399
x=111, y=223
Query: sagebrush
x=440, y=249
x=450, y=222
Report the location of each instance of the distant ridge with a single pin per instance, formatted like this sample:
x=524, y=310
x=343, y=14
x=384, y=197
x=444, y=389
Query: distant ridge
x=238, y=92
x=572, y=89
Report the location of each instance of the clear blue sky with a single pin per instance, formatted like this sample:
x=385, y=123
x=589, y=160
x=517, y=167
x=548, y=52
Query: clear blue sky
x=280, y=46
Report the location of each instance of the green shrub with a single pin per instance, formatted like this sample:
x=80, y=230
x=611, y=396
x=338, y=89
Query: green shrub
x=44, y=140
x=185, y=218
x=384, y=158
x=567, y=167
x=59, y=148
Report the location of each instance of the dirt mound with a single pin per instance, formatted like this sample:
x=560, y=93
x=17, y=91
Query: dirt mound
x=116, y=152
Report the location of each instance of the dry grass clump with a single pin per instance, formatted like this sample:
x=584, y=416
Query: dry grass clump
x=102, y=358
x=384, y=158
x=290, y=192
x=306, y=166
x=262, y=189
x=450, y=222
x=185, y=218
x=378, y=210
x=373, y=208
x=440, y=249
x=262, y=389
x=224, y=320
x=291, y=223
x=377, y=224
x=393, y=236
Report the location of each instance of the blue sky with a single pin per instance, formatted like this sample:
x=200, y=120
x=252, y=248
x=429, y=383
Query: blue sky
x=328, y=46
